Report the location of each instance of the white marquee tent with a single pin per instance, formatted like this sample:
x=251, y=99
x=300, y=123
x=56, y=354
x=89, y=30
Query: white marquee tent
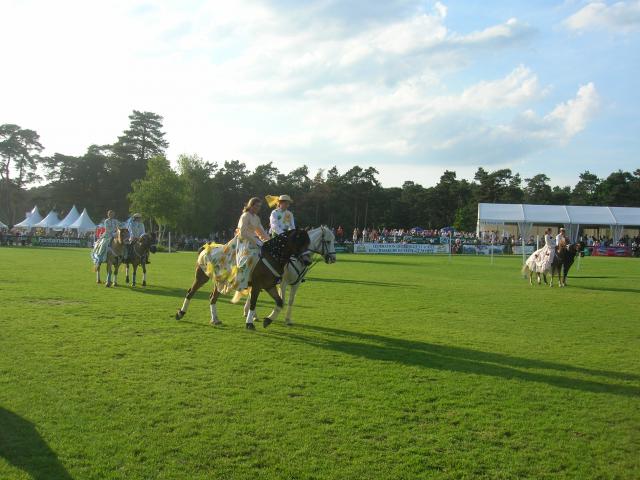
x=31, y=219
x=3, y=226
x=83, y=223
x=50, y=221
x=71, y=217
x=570, y=216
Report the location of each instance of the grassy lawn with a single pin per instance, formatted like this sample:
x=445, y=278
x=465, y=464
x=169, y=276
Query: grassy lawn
x=397, y=368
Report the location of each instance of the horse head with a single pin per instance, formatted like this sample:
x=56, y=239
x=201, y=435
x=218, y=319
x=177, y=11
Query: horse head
x=122, y=235
x=298, y=245
x=328, y=248
x=146, y=243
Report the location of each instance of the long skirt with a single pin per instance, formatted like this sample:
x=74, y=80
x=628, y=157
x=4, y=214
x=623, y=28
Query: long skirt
x=230, y=265
x=99, y=253
x=541, y=259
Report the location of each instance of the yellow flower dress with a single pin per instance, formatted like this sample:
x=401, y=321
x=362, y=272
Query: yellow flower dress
x=230, y=265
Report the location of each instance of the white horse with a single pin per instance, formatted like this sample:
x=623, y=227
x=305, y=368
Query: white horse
x=539, y=265
x=321, y=242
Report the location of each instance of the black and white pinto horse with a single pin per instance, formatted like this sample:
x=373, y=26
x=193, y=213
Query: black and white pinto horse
x=565, y=256
x=274, y=257
x=322, y=242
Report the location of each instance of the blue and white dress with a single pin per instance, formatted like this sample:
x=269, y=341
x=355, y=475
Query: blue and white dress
x=99, y=253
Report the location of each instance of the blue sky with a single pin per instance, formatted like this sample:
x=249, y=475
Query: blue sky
x=409, y=87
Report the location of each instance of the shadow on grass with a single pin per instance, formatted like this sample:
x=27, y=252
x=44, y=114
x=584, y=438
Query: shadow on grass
x=463, y=360
x=606, y=289
x=22, y=446
x=362, y=282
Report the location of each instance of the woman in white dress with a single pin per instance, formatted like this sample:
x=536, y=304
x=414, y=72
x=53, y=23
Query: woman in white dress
x=99, y=254
x=540, y=261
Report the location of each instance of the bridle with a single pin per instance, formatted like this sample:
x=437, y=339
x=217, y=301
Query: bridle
x=324, y=251
x=324, y=246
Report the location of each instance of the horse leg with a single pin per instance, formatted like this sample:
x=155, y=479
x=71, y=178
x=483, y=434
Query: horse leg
x=135, y=271
x=115, y=273
x=213, y=298
x=144, y=271
x=98, y=273
x=253, y=300
x=247, y=305
x=126, y=273
x=200, y=279
x=108, y=282
x=292, y=296
x=273, y=291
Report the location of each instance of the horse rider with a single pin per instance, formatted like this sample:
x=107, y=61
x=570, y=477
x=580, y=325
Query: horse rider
x=111, y=225
x=281, y=218
x=136, y=230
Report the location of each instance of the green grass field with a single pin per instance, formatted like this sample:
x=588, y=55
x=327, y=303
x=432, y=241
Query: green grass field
x=397, y=368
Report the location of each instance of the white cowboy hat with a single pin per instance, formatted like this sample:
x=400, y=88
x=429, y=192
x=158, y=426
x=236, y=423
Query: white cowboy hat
x=285, y=198
x=136, y=215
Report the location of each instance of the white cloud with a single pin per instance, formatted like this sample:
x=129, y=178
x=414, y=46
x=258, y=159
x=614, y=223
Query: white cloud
x=618, y=17
x=244, y=80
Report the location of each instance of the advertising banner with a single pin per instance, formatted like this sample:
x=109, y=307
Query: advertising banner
x=528, y=249
x=58, y=242
x=400, y=248
x=611, y=251
x=483, y=249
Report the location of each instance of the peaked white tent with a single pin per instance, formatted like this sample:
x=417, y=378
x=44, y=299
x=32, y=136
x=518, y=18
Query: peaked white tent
x=71, y=217
x=3, y=226
x=50, y=221
x=83, y=223
x=31, y=219
x=570, y=216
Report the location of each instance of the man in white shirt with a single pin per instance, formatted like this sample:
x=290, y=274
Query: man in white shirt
x=281, y=218
x=136, y=230
x=560, y=236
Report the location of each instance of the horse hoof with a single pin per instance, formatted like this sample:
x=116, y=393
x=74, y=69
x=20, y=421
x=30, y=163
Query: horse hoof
x=179, y=314
x=108, y=285
x=266, y=322
x=144, y=284
x=98, y=282
x=250, y=326
x=289, y=323
x=215, y=323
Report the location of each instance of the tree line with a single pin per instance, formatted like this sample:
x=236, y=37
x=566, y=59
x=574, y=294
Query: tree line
x=199, y=197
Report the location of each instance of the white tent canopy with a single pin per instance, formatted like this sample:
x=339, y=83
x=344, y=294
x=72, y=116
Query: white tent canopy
x=3, y=226
x=83, y=223
x=31, y=219
x=50, y=221
x=572, y=217
x=71, y=217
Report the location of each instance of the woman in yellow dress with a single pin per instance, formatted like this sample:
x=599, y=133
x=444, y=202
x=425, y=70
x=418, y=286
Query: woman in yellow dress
x=250, y=235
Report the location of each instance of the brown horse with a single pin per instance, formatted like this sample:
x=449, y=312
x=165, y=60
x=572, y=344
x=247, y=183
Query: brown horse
x=275, y=255
x=115, y=251
x=562, y=262
x=138, y=254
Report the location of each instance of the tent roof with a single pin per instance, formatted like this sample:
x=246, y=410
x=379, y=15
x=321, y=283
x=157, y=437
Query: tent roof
x=71, y=217
x=495, y=213
x=31, y=219
x=83, y=223
x=2, y=225
x=49, y=221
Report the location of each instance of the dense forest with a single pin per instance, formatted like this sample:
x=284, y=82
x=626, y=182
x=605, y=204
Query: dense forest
x=198, y=196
